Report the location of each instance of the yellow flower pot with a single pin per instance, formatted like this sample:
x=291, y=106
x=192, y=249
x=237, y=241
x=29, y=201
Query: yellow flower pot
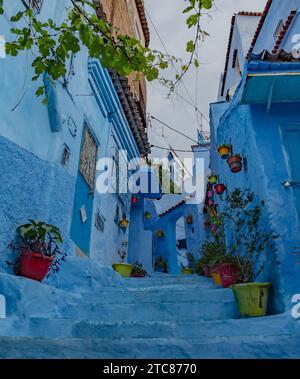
x=216, y=278
x=213, y=179
x=186, y=271
x=252, y=298
x=224, y=151
x=123, y=269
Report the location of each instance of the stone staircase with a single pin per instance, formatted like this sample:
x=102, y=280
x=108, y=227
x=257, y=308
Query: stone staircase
x=158, y=317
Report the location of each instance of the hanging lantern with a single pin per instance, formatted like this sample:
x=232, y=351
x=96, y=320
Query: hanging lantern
x=213, y=179
x=189, y=219
x=124, y=224
x=160, y=233
x=224, y=151
x=148, y=216
x=235, y=163
x=220, y=188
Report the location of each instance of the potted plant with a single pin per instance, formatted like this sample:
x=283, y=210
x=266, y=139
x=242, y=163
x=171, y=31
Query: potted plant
x=210, y=194
x=138, y=271
x=39, y=251
x=220, y=189
x=235, y=163
x=251, y=238
x=134, y=200
x=148, y=216
x=191, y=263
x=122, y=268
x=123, y=224
x=189, y=220
x=160, y=233
x=224, y=151
x=161, y=265
x=213, y=179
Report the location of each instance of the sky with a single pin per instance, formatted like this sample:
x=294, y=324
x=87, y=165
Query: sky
x=199, y=88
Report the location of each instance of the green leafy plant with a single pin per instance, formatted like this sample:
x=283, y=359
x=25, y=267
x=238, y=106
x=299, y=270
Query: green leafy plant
x=250, y=235
x=137, y=269
x=161, y=263
x=40, y=237
x=53, y=44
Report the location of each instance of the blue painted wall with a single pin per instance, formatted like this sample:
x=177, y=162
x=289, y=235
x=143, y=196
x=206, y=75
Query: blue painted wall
x=33, y=181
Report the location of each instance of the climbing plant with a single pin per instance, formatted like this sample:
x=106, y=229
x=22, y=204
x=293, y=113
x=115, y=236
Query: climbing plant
x=54, y=43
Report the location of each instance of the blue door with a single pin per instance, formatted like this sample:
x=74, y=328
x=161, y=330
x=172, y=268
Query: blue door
x=84, y=193
x=291, y=141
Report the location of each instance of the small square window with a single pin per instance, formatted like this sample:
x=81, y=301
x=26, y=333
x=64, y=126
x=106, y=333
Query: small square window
x=65, y=156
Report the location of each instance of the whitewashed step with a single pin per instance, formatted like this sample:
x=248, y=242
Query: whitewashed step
x=67, y=328
x=279, y=346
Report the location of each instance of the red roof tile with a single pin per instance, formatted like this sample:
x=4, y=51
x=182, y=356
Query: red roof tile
x=259, y=27
x=284, y=31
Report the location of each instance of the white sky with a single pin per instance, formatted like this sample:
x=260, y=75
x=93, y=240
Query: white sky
x=170, y=22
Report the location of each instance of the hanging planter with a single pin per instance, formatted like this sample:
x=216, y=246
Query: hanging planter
x=160, y=233
x=148, y=216
x=220, y=189
x=210, y=202
x=134, y=200
x=124, y=224
x=213, y=179
x=235, y=163
x=210, y=194
x=189, y=219
x=224, y=151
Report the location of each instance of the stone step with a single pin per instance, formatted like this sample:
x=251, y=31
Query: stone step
x=67, y=328
x=150, y=311
x=168, y=280
x=279, y=346
x=182, y=294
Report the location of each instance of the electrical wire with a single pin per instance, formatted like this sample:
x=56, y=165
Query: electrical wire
x=174, y=130
x=178, y=150
x=174, y=67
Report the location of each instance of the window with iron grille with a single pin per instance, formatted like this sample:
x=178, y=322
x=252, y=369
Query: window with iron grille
x=36, y=5
x=279, y=29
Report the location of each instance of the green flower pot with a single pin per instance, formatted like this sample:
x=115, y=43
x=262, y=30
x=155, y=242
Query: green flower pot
x=252, y=298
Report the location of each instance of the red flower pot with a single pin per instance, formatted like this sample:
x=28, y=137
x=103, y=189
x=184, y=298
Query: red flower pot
x=210, y=194
x=134, y=200
x=189, y=220
x=235, y=163
x=34, y=266
x=137, y=275
x=228, y=273
x=220, y=189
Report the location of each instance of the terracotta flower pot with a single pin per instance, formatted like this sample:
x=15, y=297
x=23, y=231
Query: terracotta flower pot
x=228, y=273
x=189, y=220
x=220, y=189
x=235, y=163
x=34, y=266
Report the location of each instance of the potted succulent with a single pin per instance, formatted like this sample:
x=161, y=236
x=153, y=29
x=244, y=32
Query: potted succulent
x=224, y=151
x=160, y=233
x=122, y=268
x=251, y=238
x=213, y=179
x=38, y=249
x=138, y=271
x=148, y=215
x=161, y=265
x=220, y=189
x=235, y=163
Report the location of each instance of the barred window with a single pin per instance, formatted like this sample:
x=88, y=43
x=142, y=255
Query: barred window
x=88, y=158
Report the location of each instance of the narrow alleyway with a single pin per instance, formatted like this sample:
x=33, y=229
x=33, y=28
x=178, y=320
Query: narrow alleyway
x=162, y=316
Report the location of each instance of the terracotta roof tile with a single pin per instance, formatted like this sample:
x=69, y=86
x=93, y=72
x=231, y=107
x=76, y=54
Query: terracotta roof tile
x=141, y=10
x=284, y=31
